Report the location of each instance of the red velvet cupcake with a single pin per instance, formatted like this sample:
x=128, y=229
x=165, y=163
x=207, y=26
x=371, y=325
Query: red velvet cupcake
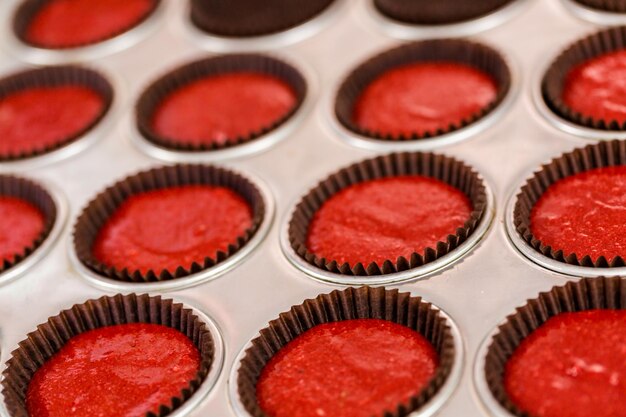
x=167, y=223
x=45, y=109
x=388, y=214
x=28, y=213
x=422, y=90
x=219, y=102
x=582, y=84
x=60, y=24
x=371, y=364
x=563, y=355
x=121, y=355
x=571, y=210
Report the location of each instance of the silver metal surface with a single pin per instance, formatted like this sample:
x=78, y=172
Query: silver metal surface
x=478, y=291
x=412, y=274
x=598, y=17
x=208, y=274
x=429, y=409
x=46, y=56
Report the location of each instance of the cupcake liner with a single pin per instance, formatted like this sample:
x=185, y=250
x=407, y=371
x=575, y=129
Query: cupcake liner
x=586, y=294
x=160, y=89
x=58, y=76
x=440, y=167
x=247, y=18
x=49, y=338
x=351, y=303
x=441, y=12
x=29, y=8
x=459, y=51
x=599, y=43
x=35, y=194
x=102, y=207
x=613, y=6
x=599, y=155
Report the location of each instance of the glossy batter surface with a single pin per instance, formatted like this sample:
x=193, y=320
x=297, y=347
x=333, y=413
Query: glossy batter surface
x=386, y=218
x=68, y=23
x=223, y=107
x=423, y=97
x=574, y=365
x=171, y=227
x=21, y=223
x=596, y=88
x=353, y=368
x=584, y=214
x=125, y=370
x=38, y=118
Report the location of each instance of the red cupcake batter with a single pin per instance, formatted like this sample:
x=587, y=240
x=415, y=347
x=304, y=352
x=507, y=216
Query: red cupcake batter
x=353, y=368
x=70, y=23
x=574, y=365
x=223, y=107
x=38, y=118
x=124, y=370
x=165, y=228
x=584, y=214
x=423, y=97
x=386, y=218
x=596, y=88
x=21, y=224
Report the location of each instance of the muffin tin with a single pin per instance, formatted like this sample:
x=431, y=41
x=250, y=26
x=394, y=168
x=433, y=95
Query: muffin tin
x=477, y=291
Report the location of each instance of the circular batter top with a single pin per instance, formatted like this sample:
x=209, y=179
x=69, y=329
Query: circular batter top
x=596, y=87
x=123, y=370
x=574, y=365
x=171, y=227
x=71, y=23
x=36, y=119
x=21, y=225
x=352, y=368
x=584, y=214
x=386, y=218
x=223, y=108
x=423, y=97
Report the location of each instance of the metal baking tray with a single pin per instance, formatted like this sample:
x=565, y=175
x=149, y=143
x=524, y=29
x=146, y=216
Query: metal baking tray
x=477, y=291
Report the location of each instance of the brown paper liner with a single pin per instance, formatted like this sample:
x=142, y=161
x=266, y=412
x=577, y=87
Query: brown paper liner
x=586, y=294
x=348, y=304
x=553, y=81
x=247, y=18
x=50, y=337
x=614, y=6
x=102, y=207
x=35, y=194
x=465, y=52
x=440, y=12
x=160, y=89
x=26, y=12
x=440, y=167
x=58, y=76
x=600, y=155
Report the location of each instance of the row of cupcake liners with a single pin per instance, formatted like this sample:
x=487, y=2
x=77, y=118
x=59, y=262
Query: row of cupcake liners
x=403, y=308
x=295, y=225
x=298, y=76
